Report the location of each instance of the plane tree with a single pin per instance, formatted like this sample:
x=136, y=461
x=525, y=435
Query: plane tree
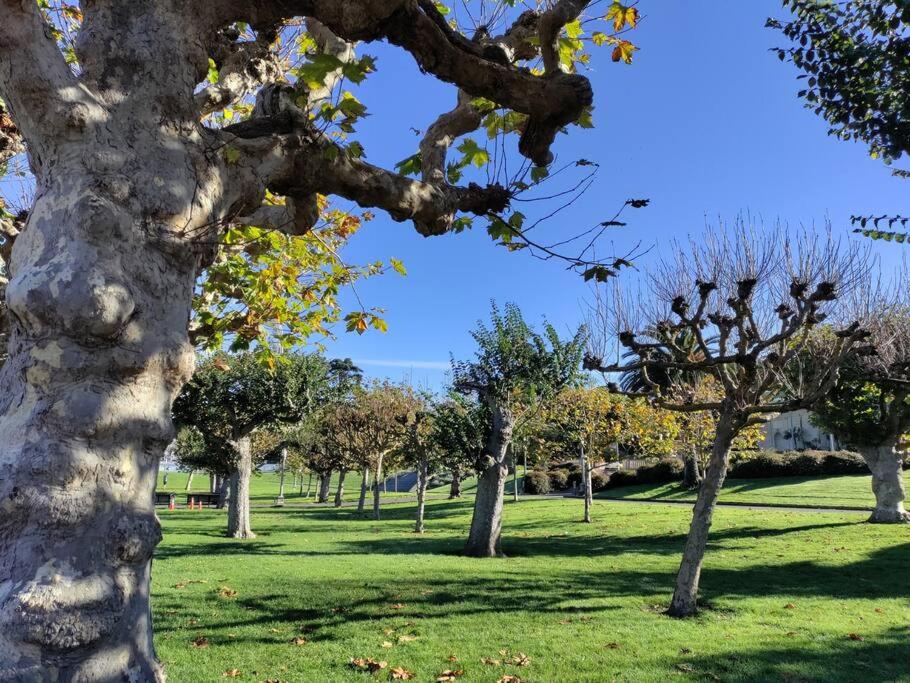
x=514, y=368
x=153, y=131
x=752, y=304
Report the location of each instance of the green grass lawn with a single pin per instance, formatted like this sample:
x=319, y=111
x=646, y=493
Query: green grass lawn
x=582, y=602
x=854, y=491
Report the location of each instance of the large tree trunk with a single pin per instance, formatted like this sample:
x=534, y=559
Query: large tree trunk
x=486, y=523
x=691, y=474
x=423, y=470
x=886, y=464
x=224, y=491
x=376, y=491
x=239, y=508
x=455, y=488
x=364, y=487
x=325, y=487
x=339, y=492
x=685, y=597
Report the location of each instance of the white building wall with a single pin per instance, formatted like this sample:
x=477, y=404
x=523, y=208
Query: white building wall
x=794, y=431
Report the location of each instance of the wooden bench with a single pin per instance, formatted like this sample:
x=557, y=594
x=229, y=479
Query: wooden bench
x=164, y=498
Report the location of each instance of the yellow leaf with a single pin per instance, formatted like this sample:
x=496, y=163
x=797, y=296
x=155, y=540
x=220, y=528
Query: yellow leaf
x=399, y=673
x=231, y=673
x=623, y=51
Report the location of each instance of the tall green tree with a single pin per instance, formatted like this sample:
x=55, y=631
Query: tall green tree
x=513, y=370
x=230, y=397
x=459, y=432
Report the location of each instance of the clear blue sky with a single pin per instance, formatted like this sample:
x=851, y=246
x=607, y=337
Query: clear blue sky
x=705, y=123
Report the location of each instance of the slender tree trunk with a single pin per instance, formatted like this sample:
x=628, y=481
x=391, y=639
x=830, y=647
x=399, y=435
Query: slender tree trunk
x=309, y=484
x=239, y=509
x=189, y=481
x=364, y=487
x=486, y=523
x=455, y=488
x=514, y=474
x=376, y=493
x=165, y=478
x=213, y=482
x=284, y=462
x=586, y=483
x=691, y=471
x=886, y=464
x=422, y=476
x=685, y=597
x=325, y=486
x=339, y=493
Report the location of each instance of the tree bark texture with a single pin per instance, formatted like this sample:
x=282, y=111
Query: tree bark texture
x=486, y=523
x=455, y=487
x=685, y=596
x=339, y=492
x=364, y=487
x=691, y=474
x=239, y=506
x=325, y=486
x=376, y=487
x=224, y=491
x=423, y=470
x=886, y=463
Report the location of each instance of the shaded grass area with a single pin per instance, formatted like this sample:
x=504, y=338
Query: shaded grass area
x=786, y=590
x=850, y=491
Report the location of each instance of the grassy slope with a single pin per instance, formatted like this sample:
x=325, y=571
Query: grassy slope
x=853, y=491
x=786, y=588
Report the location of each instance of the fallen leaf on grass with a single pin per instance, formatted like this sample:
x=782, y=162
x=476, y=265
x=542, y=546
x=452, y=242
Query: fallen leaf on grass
x=299, y=640
x=509, y=678
x=226, y=592
x=367, y=664
x=452, y=658
x=231, y=673
x=685, y=667
x=489, y=661
x=855, y=636
x=612, y=646
x=406, y=638
x=399, y=673
x=520, y=659
x=789, y=605
x=449, y=675
x=386, y=644
x=398, y=605
x=879, y=610
x=685, y=651
x=200, y=642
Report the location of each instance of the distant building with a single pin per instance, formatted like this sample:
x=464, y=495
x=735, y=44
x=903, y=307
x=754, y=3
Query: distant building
x=794, y=431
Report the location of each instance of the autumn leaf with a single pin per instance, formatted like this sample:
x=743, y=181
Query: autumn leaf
x=519, y=659
x=406, y=638
x=621, y=15
x=855, y=636
x=449, y=675
x=200, y=642
x=623, y=51
x=789, y=605
x=299, y=640
x=452, y=658
x=231, y=673
x=226, y=592
x=399, y=673
x=387, y=644
x=489, y=661
x=367, y=664
x=509, y=678
x=612, y=646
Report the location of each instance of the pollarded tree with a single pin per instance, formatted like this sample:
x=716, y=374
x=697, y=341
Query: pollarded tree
x=140, y=171
x=514, y=366
x=230, y=397
x=869, y=407
x=752, y=306
x=459, y=434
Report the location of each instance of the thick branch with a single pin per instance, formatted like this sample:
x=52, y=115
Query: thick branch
x=244, y=68
x=551, y=102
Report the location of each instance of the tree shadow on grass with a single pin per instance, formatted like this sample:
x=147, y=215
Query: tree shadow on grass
x=883, y=657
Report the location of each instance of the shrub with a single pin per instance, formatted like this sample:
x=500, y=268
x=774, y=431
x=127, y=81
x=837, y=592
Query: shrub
x=762, y=466
x=537, y=482
x=559, y=479
x=663, y=471
x=599, y=480
x=808, y=464
x=574, y=478
x=622, y=478
x=844, y=462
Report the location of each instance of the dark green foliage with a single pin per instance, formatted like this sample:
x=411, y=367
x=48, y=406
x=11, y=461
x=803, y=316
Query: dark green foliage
x=574, y=476
x=599, y=480
x=623, y=477
x=760, y=466
x=459, y=431
x=855, y=59
x=764, y=465
x=663, y=471
x=559, y=479
x=537, y=483
x=514, y=359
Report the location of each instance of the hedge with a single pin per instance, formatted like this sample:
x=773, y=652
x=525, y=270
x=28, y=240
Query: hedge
x=537, y=483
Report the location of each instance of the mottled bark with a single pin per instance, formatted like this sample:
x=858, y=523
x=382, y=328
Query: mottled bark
x=691, y=471
x=239, y=506
x=325, y=485
x=339, y=492
x=886, y=463
x=364, y=487
x=224, y=491
x=376, y=490
x=455, y=487
x=685, y=597
x=486, y=523
x=423, y=470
